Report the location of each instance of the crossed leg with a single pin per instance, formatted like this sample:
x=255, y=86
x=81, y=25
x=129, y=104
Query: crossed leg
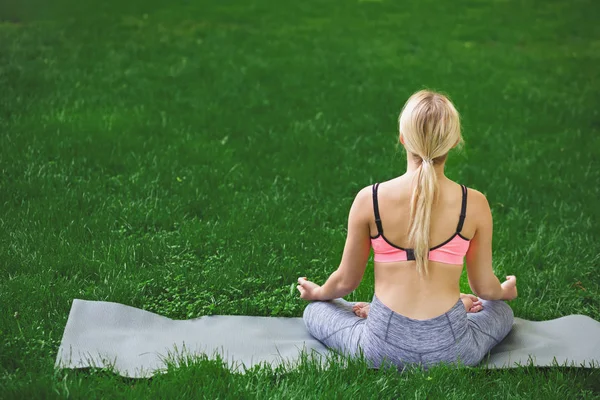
x=335, y=324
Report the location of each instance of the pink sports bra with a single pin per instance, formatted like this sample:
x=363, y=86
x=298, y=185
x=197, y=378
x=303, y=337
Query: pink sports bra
x=452, y=251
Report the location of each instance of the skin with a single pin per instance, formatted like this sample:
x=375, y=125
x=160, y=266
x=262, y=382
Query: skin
x=398, y=284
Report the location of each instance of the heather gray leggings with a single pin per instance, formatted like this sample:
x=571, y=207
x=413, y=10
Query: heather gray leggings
x=388, y=338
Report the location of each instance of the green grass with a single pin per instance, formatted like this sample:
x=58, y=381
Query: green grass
x=196, y=158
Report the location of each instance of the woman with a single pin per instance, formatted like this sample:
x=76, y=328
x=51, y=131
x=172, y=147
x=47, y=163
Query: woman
x=421, y=225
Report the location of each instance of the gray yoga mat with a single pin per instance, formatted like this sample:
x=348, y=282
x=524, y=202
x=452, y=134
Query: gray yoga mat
x=136, y=342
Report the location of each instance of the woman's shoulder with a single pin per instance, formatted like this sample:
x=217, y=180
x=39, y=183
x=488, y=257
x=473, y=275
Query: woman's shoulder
x=367, y=196
x=476, y=198
x=476, y=202
x=478, y=208
x=364, y=195
x=383, y=189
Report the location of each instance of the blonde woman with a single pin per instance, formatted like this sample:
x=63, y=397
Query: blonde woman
x=421, y=226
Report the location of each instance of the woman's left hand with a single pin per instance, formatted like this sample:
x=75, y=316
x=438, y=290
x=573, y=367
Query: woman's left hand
x=472, y=303
x=308, y=290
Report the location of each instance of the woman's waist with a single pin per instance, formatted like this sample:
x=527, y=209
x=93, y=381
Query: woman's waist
x=418, y=303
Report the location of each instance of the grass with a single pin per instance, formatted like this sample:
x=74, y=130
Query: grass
x=196, y=158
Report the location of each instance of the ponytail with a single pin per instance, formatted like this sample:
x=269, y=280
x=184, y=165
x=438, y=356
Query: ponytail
x=420, y=211
x=430, y=126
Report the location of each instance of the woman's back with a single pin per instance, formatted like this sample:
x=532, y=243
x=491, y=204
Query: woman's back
x=398, y=284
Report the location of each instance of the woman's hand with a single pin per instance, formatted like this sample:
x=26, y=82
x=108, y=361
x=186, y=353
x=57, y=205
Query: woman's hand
x=308, y=290
x=471, y=302
x=509, y=288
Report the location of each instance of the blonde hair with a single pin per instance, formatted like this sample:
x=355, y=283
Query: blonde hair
x=429, y=126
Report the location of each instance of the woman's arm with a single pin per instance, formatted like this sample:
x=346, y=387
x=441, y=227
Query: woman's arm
x=354, y=260
x=482, y=279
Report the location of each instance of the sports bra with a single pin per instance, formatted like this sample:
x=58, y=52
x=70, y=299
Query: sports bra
x=452, y=251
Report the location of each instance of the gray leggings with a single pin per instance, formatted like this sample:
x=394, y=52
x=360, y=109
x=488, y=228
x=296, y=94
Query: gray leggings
x=388, y=338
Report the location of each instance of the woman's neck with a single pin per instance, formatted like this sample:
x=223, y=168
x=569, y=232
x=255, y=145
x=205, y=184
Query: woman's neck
x=413, y=166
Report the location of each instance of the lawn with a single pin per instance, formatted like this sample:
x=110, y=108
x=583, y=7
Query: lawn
x=195, y=157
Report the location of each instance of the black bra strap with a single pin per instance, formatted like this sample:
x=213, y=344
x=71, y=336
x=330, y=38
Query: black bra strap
x=463, y=209
x=376, y=209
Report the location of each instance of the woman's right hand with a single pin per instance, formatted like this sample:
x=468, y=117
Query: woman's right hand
x=509, y=288
x=308, y=290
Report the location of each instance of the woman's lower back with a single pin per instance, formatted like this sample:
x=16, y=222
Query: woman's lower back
x=400, y=288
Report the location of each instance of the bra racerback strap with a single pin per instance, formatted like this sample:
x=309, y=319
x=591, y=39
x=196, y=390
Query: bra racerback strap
x=463, y=209
x=376, y=210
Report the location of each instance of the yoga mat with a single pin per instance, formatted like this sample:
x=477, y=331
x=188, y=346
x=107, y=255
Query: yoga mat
x=136, y=342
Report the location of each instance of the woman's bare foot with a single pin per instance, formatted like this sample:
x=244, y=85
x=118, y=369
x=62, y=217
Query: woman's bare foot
x=361, y=309
x=471, y=302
